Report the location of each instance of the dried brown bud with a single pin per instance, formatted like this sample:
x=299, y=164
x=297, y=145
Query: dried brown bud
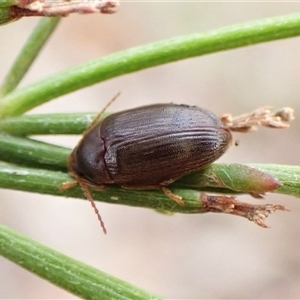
x=260, y=117
x=229, y=205
x=61, y=8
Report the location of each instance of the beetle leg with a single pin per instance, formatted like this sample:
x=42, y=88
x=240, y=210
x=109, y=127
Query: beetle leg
x=68, y=185
x=172, y=196
x=71, y=184
x=167, y=191
x=94, y=186
x=257, y=195
x=85, y=188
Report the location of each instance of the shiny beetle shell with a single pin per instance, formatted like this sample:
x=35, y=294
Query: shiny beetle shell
x=149, y=146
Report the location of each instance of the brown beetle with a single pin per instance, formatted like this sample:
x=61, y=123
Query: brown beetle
x=151, y=146
x=148, y=148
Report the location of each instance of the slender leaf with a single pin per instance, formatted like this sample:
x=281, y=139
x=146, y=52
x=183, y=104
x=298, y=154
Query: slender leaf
x=65, y=272
x=28, y=54
x=48, y=124
x=33, y=153
x=148, y=56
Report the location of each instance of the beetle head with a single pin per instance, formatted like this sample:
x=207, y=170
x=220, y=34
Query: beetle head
x=87, y=159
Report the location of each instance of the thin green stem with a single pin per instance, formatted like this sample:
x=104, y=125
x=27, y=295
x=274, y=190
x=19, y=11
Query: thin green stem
x=5, y=15
x=148, y=56
x=50, y=182
x=33, y=153
x=195, y=202
x=28, y=54
x=246, y=178
x=26, y=125
x=65, y=272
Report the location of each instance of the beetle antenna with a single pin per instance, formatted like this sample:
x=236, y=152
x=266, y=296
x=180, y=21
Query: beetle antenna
x=95, y=121
x=90, y=198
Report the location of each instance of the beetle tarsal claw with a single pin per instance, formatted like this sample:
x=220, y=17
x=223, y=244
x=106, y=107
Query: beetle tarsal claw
x=229, y=205
x=172, y=196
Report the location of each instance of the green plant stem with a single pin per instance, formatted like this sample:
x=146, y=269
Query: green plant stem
x=33, y=153
x=238, y=181
x=50, y=182
x=5, y=16
x=28, y=54
x=65, y=272
x=148, y=56
x=48, y=124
